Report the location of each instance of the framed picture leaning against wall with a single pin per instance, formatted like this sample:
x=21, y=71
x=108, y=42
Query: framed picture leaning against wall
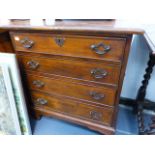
x=9, y=60
x=9, y=122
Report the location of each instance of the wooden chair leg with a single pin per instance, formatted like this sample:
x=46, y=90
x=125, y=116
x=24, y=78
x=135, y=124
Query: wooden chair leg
x=141, y=98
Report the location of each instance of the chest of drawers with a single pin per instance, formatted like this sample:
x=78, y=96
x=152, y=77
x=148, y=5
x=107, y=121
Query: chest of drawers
x=74, y=76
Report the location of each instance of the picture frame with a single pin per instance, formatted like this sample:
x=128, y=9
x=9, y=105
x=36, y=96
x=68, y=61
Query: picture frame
x=10, y=61
x=9, y=122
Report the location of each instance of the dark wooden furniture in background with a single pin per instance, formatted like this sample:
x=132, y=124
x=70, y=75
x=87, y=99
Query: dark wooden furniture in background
x=72, y=70
x=141, y=102
x=5, y=42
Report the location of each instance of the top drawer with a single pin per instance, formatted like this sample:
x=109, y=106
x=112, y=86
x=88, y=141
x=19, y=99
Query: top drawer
x=106, y=48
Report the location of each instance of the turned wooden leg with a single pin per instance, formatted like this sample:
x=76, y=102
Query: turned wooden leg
x=151, y=130
x=147, y=76
x=141, y=98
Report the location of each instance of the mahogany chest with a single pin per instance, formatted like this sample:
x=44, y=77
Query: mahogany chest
x=74, y=74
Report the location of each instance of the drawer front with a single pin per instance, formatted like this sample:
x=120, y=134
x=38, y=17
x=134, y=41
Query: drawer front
x=81, y=69
x=70, y=88
x=75, y=46
x=71, y=107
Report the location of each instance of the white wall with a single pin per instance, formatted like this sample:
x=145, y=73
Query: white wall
x=138, y=58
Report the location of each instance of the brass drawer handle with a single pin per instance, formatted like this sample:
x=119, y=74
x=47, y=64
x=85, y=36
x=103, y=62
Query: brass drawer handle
x=27, y=43
x=96, y=95
x=96, y=115
x=38, y=83
x=99, y=73
x=97, y=48
x=33, y=64
x=41, y=101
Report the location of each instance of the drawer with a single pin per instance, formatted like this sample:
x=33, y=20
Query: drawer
x=107, y=48
x=102, y=72
x=73, y=89
x=71, y=107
